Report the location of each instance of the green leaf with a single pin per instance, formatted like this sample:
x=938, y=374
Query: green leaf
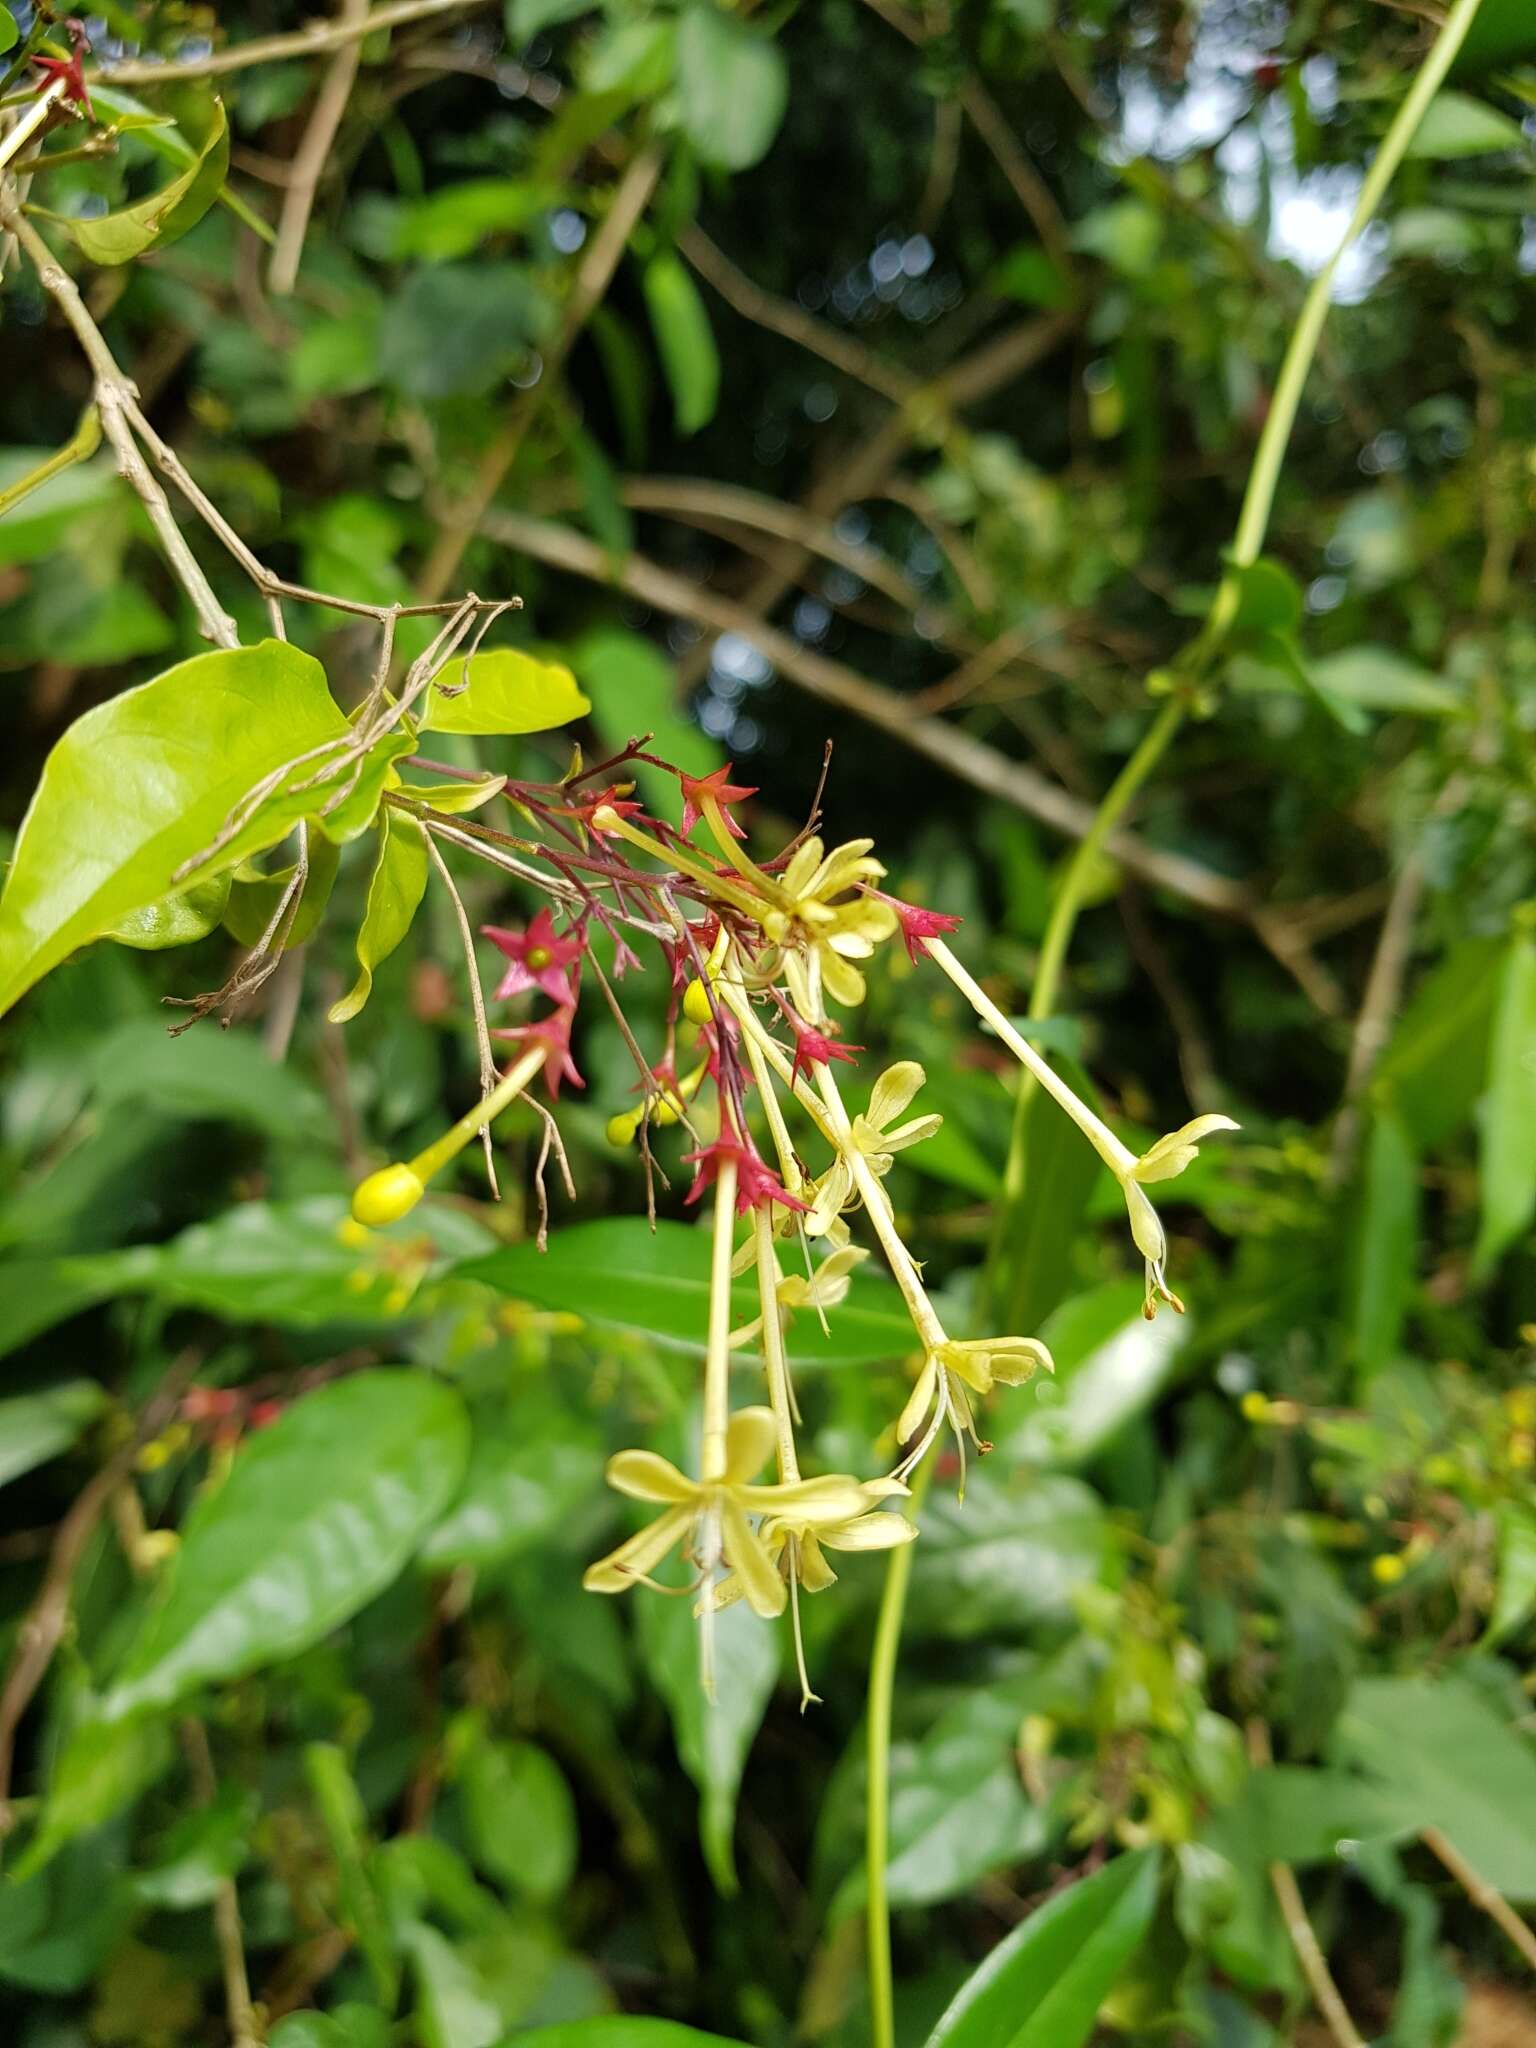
x=395, y=890
x=1452, y=1763
x=503, y=691
x=519, y=1816
x=685, y=339
x=1455, y=125
x=1015, y=1553
x=1381, y=1270
x=227, y=1075
x=1378, y=679
x=622, y=1275
x=732, y=85
x=526, y=18
x=1506, y=1116
x=459, y=329
x=80, y=446
x=1031, y=1267
x=1501, y=32
x=528, y=1474
x=256, y=894
x=1098, y=1388
x=199, y=1851
x=64, y=506
x=1043, y=1986
x=36, y=1427
x=317, y=1515
x=1289, y=1814
x=8, y=30
x=1434, y=1065
x=619, y=2030
x=168, y=213
x=143, y=783
x=99, y=1771
x=175, y=920
x=454, y=2007
x=1515, y=1593
x=341, y=1813
x=1268, y=597
x=713, y=1735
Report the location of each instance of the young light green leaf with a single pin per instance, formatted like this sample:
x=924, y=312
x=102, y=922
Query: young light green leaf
x=1043, y=1986
x=177, y=920
x=255, y=896
x=713, y=1735
x=1455, y=125
x=99, y=1771
x=8, y=30
x=454, y=799
x=166, y=214
x=622, y=1275
x=341, y=1814
x=395, y=890
x=36, y=1427
x=502, y=691
x=1507, y=1113
x=317, y=1515
x=685, y=339
x=1515, y=1595
x=732, y=86
x=142, y=783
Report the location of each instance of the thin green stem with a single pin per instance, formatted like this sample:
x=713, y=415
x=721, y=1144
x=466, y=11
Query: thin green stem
x=877, y=1827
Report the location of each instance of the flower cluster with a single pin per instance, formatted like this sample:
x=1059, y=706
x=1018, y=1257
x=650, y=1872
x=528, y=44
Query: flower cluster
x=755, y=955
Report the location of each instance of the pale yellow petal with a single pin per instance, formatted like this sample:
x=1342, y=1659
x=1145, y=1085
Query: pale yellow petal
x=1170, y=1155
x=844, y=984
x=749, y=1440
x=912, y=1133
x=893, y=1091
x=910, y=1421
x=645, y=1476
x=1145, y=1227
x=640, y=1555
x=870, y=1532
x=765, y=1591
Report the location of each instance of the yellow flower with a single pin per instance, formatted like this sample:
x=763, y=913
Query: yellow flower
x=872, y=1136
x=796, y=1540
x=981, y=1363
x=826, y=1288
x=1169, y=1156
x=821, y=935
x=721, y=1512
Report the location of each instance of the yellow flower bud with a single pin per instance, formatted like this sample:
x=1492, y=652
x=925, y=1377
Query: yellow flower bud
x=622, y=1128
x=1387, y=1569
x=1255, y=1406
x=696, y=1004
x=386, y=1196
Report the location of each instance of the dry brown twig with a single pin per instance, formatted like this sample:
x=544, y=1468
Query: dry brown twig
x=314, y=150
x=318, y=41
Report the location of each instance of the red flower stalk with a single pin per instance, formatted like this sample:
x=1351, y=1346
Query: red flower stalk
x=70, y=68
x=554, y=1034
x=756, y=1182
x=701, y=789
x=814, y=1048
x=918, y=924
x=540, y=958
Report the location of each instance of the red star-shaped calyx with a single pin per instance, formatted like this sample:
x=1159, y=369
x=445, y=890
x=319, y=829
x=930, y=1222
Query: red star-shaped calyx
x=70, y=69
x=699, y=790
x=554, y=1034
x=613, y=798
x=918, y=924
x=756, y=1182
x=540, y=958
x=814, y=1048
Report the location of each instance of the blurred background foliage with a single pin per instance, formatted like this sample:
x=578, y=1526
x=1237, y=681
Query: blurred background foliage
x=906, y=403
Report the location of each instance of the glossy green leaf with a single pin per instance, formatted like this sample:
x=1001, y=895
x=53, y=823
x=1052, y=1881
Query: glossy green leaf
x=519, y=1817
x=732, y=86
x=1268, y=597
x=317, y=1515
x=529, y=1472
x=224, y=1075
x=621, y=1275
x=1452, y=1763
x=619, y=2030
x=454, y=799
x=685, y=339
x=1016, y=1552
x=8, y=30
x=349, y=2025
x=1507, y=1113
x=1381, y=1269
x=713, y=1736
x=395, y=890
x=178, y=920
x=1456, y=125
x=454, y=2008
x=36, y=1427
x=155, y=772
x=170, y=212
x=1042, y=1987
x=1069, y=1418
x=1380, y=679
x=341, y=1814
x=502, y=691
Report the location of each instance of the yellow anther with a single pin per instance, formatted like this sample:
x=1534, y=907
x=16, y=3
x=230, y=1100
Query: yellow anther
x=1255, y=1406
x=386, y=1196
x=351, y=1233
x=151, y=1456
